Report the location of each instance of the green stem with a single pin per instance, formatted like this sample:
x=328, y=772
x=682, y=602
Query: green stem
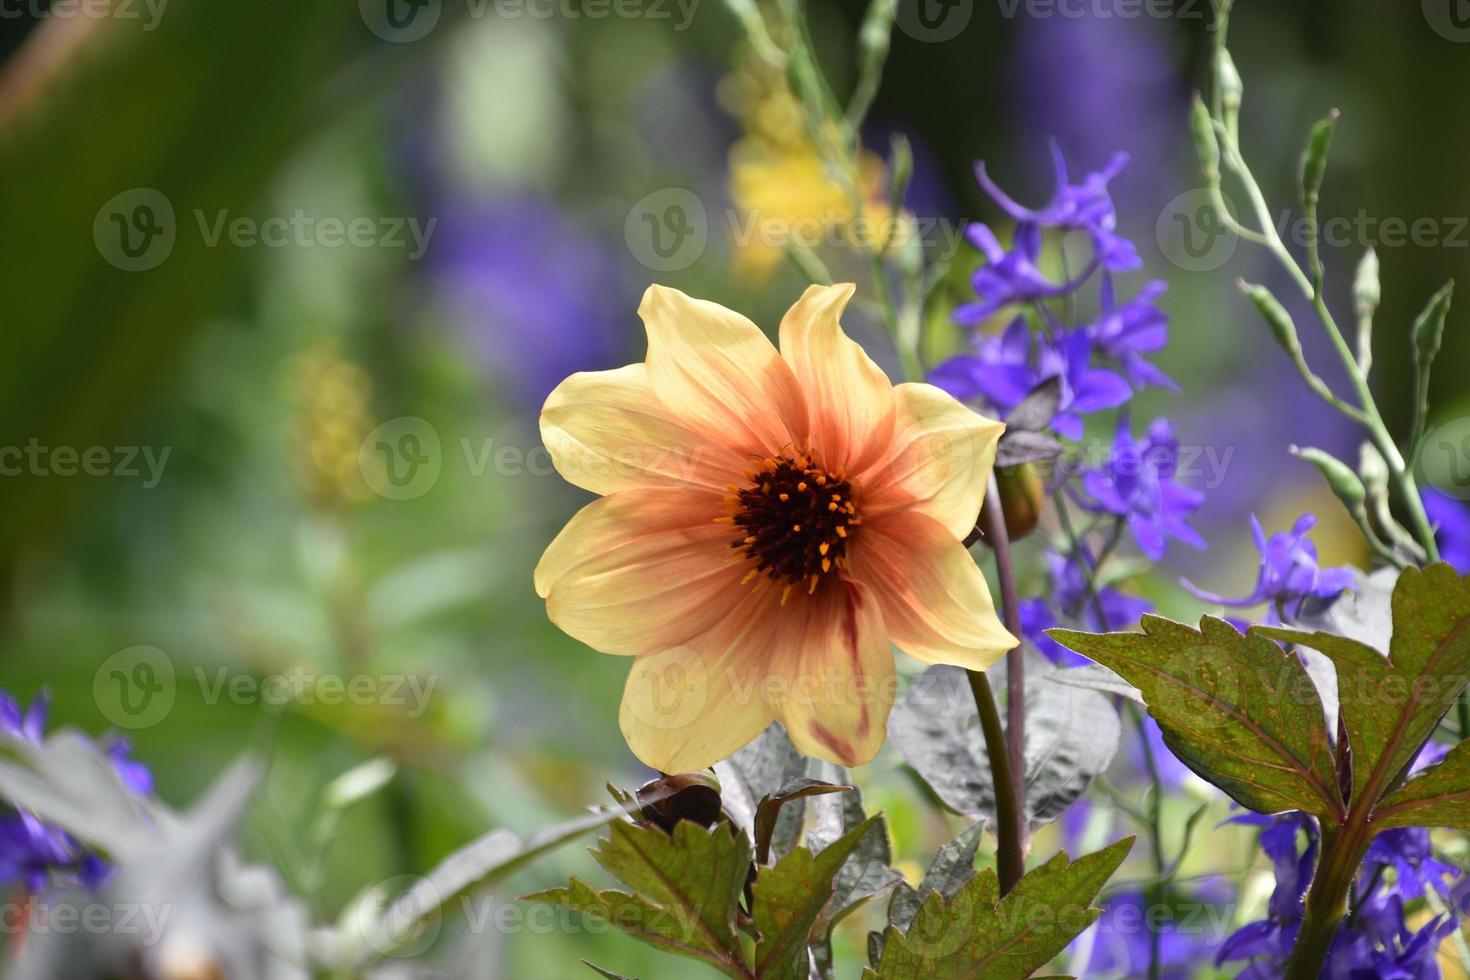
x=1010, y=865
x=1156, y=833
x=1327, y=899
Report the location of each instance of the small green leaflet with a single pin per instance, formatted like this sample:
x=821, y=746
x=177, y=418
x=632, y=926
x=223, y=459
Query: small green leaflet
x=1437, y=797
x=979, y=934
x=1238, y=710
x=687, y=884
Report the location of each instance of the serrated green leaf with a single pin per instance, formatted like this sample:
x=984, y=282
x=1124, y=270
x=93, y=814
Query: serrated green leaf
x=686, y=885
x=979, y=934
x=789, y=897
x=952, y=867
x=868, y=871
x=1391, y=706
x=1437, y=797
x=1236, y=709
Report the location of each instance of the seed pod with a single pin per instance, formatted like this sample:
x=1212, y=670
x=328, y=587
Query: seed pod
x=1314, y=158
x=1276, y=316
x=1206, y=146
x=1343, y=482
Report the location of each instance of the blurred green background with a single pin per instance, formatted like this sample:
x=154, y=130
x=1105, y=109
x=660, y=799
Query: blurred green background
x=249, y=245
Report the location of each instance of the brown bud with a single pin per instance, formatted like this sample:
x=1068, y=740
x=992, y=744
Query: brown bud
x=1022, y=496
x=692, y=796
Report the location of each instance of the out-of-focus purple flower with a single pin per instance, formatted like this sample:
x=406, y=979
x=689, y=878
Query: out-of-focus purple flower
x=1451, y=520
x=34, y=852
x=1271, y=939
x=1086, y=206
x=535, y=295
x=1122, y=943
x=1069, y=595
x=1289, y=575
x=1172, y=772
x=1005, y=369
x=1138, y=484
x=1126, y=333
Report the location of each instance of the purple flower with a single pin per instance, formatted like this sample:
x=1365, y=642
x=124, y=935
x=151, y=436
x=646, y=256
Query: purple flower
x=1126, y=333
x=1005, y=369
x=1069, y=595
x=34, y=852
x=1138, y=484
x=1086, y=206
x=1289, y=572
x=1451, y=520
x=1009, y=278
x=1122, y=944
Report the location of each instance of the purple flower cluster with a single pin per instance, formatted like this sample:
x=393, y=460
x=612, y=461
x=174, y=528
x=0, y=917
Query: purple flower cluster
x=1108, y=610
x=33, y=852
x=1376, y=939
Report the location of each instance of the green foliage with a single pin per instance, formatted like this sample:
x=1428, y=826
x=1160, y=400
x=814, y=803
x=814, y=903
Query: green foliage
x=1437, y=797
x=976, y=933
x=1236, y=709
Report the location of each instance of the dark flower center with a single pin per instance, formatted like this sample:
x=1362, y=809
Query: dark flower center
x=796, y=520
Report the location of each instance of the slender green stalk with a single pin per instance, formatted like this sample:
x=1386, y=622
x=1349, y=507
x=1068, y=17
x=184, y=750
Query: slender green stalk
x=1156, y=834
x=1010, y=865
x=1327, y=899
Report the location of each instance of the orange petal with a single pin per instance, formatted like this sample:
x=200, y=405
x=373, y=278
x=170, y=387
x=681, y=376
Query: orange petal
x=686, y=708
x=641, y=570
x=940, y=457
x=835, y=670
x=849, y=398
x=719, y=375
x=935, y=602
x=607, y=431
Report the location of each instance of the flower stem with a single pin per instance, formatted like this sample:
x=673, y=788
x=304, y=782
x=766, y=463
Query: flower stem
x=1327, y=900
x=1007, y=754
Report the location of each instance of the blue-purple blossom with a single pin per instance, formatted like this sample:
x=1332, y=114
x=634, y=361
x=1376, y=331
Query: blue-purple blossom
x=1009, y=278
x=1122, y=940
x=1005, y=369
x=1137, y=483
x=1085, y=206
x=1451, y=519
x=34, y=852
x=1289, y=575
x=1128, y=332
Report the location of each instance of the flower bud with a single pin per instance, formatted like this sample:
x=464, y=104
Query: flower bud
x=1206, y=146
x=692, y=796
x=1276, y=316
x=1429, y=327
x=1344, y=483
x=1022, y=497
x=1314, y=158
x=1373, y=469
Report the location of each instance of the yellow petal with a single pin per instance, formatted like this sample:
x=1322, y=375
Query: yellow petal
x=835, y=668
x=849, y=398
x=940, y=459
x=641, y=570
x=607, y=431
x=719, y=375
x=686, y=708
x=934, y=599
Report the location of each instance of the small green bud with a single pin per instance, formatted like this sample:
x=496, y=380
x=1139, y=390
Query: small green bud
x=1346, y=484
x=1429, y=327
x=1276, y=316
x=1232, y=89
x=1314, y=158
x=900, y=171
x=1367, y=293
x=1373, y=469
x=1205, y=143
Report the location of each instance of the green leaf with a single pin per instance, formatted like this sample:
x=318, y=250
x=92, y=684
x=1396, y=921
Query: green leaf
x=868, y=871
x=1236, y=709
x=979, y=934
x=1391, y=706
x=769, y=809
x=952, y=867
x=789, y=897
x=686, y=885
x=606, y=973
x=1437, y=797
x=1072, y=735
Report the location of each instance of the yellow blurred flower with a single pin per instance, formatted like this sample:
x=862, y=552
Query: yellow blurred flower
x=770, y=521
